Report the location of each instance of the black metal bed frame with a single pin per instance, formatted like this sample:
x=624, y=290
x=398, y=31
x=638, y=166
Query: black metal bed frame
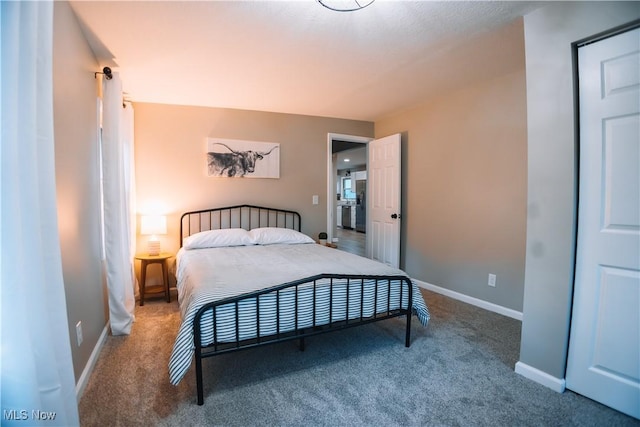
x=240, y=216
x=249, y=216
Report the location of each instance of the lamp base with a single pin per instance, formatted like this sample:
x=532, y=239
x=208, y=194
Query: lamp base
x=154, y=247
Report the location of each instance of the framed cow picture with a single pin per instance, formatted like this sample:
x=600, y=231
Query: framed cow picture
x=233, y=158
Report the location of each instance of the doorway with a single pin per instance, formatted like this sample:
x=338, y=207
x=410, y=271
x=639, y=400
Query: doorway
x=346, y=192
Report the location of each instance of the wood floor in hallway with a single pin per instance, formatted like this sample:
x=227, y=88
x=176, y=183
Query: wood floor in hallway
x=352, y=241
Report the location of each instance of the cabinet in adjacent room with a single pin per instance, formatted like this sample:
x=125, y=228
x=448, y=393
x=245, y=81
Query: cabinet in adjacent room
x=346, y=216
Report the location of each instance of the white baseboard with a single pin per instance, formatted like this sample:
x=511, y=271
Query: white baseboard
x=471, y=300
x=555, y=384
x=91, y=363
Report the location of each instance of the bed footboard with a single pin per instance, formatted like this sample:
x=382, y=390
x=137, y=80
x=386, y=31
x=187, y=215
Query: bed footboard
x=297, y=310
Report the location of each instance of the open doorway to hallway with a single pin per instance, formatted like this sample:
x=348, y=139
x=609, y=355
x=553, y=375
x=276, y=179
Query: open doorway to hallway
x=346, y=192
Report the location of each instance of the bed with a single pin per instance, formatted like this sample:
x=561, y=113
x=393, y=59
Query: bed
x=246, y=277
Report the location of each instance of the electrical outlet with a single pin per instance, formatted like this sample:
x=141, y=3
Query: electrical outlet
x=314, y=199
x=79, y=332
x=492, y=280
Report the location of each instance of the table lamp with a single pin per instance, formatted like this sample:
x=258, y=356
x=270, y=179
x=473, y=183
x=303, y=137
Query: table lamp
x=153, y=225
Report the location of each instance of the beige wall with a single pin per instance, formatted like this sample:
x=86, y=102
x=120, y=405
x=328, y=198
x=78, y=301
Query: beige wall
x=464, y=189
x=77, y=180
x=552, y=173
x=170, y=150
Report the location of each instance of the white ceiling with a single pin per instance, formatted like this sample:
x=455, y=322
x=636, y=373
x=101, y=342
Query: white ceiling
x=299, y=57
x=355, y=158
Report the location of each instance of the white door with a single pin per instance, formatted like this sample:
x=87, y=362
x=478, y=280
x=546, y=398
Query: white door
x=384, y=200
x=604, y=348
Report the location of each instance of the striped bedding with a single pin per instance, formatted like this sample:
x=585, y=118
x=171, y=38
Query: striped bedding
x=208, y=275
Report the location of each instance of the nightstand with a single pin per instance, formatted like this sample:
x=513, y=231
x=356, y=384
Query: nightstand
x=154, y=259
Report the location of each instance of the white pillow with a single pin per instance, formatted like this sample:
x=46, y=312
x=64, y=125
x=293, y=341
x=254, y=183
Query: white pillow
x=273, y=235
x=218, y=239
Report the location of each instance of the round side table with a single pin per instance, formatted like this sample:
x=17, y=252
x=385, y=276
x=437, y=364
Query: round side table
x=145, y=260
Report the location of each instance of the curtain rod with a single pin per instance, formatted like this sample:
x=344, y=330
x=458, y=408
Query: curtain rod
x=106, y=71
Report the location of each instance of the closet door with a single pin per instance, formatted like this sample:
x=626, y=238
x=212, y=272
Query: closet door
x=604, y=348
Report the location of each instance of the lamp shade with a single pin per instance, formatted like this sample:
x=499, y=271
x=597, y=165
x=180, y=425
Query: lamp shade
x=153, y=224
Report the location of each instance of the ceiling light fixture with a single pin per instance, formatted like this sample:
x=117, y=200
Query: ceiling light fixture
x=345, y=5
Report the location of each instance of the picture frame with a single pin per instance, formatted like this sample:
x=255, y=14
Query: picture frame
x=232, y=158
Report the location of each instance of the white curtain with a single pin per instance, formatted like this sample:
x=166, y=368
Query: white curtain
x=117, y=163
x=37, y=371
x=130, y=179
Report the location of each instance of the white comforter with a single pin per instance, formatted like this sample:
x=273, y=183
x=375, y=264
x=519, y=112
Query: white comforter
x=206, y=275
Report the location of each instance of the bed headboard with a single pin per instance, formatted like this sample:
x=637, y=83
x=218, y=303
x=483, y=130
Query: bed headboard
x=241, y=216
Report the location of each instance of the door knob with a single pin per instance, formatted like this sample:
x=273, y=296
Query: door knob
x=394, y=216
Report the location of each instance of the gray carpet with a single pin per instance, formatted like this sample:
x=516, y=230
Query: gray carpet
x=457, y=372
